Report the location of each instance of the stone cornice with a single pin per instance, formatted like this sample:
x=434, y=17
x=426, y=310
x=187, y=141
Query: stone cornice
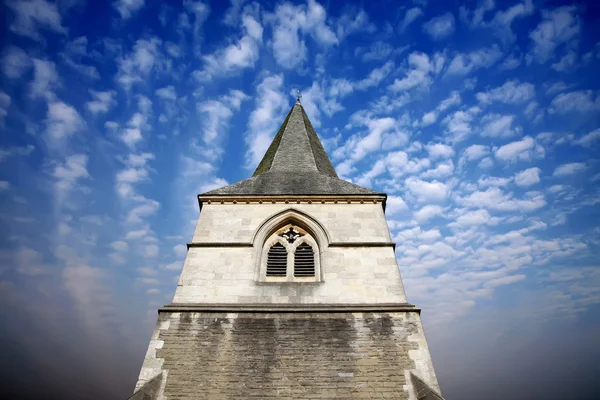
x=363, y=244
x=292, y=199
x=289, y=308
x=334, y=244
x=218, y=244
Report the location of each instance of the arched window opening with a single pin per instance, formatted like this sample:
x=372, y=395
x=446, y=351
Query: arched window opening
x=304, y=261
x=289, y=254
x=277, y=260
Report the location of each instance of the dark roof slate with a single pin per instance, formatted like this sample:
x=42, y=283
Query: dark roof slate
x=296, y=164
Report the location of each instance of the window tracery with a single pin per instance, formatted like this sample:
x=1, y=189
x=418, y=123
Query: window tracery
x=290, y=254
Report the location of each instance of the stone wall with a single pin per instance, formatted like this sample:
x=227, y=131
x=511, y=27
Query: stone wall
x=358, y=264
x=338, y=355
x=235, y=223
x=350, y=275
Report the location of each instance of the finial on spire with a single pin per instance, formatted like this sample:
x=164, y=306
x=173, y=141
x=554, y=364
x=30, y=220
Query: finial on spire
x=299, y=97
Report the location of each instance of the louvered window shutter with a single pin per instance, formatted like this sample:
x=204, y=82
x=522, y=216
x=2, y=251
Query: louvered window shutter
x=304, y=261
x=277, y=261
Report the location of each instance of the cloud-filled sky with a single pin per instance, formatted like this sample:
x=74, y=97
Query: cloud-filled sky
x=479, y=119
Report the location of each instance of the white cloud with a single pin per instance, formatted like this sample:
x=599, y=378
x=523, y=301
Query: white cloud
x=428, y=212
x=45, y=79
x=439, y=150
x=136, y=170
x=357, y=146
x=119, y=246
x=493, y=181
x=568, y=169
x=265, y=118
x=131, y=175
x=410, y=16
x=432, y=116
x=495, y=199
x=559, y=26
x=475, y=18
x=180, y=250
x=588, y=139
x=377, y=51
x=501, y=22
x=233, y=13
x=217, y=114
x=486, y=163
x=73, y=169
x=167, y=93
x=395, y=205
x=417, y=233
x=464, y=63
x=75, y=52
x=213, y=183
x=5, y=101
x=496, y=125
x=556, y=87
x=102, y=102
x=291, y=23
x=473, y=218
x=31, y=16
x=399, y=164
x=15, y=150
x=138, y=121
x=425, y=192
x=442, y=170
x=138, y=64
x=510, y=63
x=145, y=208
x=524, y=149
x=440, y=27
x=137, y=234
x=62, y=121
x=458, y=124
x=566, y=63
x=235, y=56
x=511, y=92
x=150, y=251
x=418, y=74
x=578, y=101
x=505, y=280
x=475, y=152
x=15, y=62
x=429, y=118
x=131, y=136
x=354, y=22
x=528, y=177
x=375, y=76
x=128, y=7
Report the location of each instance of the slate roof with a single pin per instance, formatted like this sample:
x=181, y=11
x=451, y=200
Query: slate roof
x=296, y=164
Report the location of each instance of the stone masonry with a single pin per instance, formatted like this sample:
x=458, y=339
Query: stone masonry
x=344, y=332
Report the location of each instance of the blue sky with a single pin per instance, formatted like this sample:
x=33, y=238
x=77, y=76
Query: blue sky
x=480, y=120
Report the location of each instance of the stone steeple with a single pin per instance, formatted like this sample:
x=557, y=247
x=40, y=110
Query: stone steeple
x=295, y=163
x=290, y=290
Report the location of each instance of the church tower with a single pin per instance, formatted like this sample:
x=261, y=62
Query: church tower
x=290, y=289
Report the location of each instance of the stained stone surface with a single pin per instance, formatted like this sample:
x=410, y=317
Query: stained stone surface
x=289, y=355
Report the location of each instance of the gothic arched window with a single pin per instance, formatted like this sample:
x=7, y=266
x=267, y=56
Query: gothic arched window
x=290, y=254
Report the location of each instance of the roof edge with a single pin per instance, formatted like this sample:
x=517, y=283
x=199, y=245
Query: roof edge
x=267, y=160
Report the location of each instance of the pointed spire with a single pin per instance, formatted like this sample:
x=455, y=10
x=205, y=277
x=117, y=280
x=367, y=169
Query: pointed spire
x=296, y=148
x=295, y=164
